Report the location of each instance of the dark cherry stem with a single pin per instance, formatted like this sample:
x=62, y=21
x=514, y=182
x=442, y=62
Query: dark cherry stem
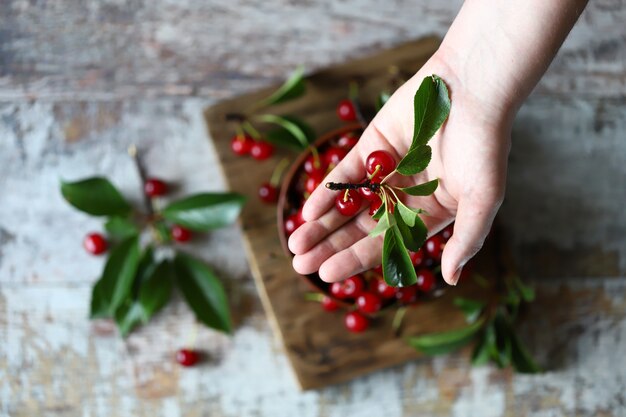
x=134, y=153
x=235, y=117
x=337, y=186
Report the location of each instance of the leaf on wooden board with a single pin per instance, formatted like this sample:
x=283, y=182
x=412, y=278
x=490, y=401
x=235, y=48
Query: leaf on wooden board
x=446, y=342
x=471, y=308
x=288, y=123
x=293, y=88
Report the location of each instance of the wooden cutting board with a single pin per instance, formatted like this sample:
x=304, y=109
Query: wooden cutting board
x=319, y=348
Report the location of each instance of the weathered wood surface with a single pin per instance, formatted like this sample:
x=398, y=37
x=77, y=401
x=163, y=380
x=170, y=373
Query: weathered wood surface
x=80, y=80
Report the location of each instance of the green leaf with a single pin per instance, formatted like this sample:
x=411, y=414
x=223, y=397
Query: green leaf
x=202, y=212
x=118, y=275
x=527, y=293
x=503, y=353
x=521, y=360
x=471, y=308
x=409, y=215
x=398, y=270
x=446, y=342
x=120, y=227
x=294, y=87
x=95, y=196
x=424, y=189
x=285, y=138
x=379, y=213
x=99, y=305
x=415, y=161
x=203, y=291
x=384, y=223
x=127, y=317
x=481, y=353
x=288, y=124
x=431, y=105
x=413, y=236
x=156, y=289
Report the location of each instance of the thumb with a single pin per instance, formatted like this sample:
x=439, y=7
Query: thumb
x=473, y=222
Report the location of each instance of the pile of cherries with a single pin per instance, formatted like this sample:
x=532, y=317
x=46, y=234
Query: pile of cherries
x=96, y=243
x=362, y=296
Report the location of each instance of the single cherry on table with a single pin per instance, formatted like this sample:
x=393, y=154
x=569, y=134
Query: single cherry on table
x=155, y=187
x=187, y=357
x=95, y=243
x=346, y=111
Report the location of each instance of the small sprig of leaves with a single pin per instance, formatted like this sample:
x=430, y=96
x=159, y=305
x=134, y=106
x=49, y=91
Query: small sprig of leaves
x=490, y=328
x=138, y=282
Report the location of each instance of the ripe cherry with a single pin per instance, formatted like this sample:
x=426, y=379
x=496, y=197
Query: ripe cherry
x=417, y=257
x=434, y=246
x=367, y=193
x=347, y=141
x=313, y=182
x=407, y=295
x=268, y=193
x=334, y=155
x=180, y=234
x=95, y=243
x=329, y=304
x=379, y=269
x=187, y=357
x=374, y=206
x=348, y=202
x=350, y=287
x=369, y=303
x=293, y=221
x=384, y=290
x=315, y=165
x=346, y=111
x=381, y=163
x=356, y=322
x=261, y=150
x=425, y=280
x=155, y=187
x=241, y=144
x=446, y=233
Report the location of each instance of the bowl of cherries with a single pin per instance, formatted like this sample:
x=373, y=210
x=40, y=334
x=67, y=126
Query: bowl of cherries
x=365, y=295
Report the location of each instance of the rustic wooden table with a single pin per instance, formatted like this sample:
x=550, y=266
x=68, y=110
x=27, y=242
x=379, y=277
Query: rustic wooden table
x=80, y=81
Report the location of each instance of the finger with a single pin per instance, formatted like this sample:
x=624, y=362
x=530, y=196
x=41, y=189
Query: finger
x=361, y=256
x=473, y=222
x=342, y=238
x=350, y=169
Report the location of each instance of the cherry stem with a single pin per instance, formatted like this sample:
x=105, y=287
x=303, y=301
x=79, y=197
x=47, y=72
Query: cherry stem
x=278, y=172
x=397, y=320
x=314, y=296
x=247, y=126
x=235, y=117
x=338, y=186
x=316, y=157
x=373, y=174
x=149, y=204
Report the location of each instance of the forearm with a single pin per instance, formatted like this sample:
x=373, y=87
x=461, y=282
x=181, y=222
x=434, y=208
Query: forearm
x=500, y=49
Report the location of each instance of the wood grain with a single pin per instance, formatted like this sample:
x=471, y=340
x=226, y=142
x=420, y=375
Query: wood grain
x=319, y=348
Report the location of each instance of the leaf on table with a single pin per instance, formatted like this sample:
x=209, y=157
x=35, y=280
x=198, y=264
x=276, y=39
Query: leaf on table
x=289, y=123
x=202, y=212
x=415, y=161
x=120, y=227
x=521, y=359
x=398, y=270
x=203, y=292
x=413, y=236
x=156, y=289
x=115, y=285
x=431, y=106
x=95, y=196
x=471, y=308
x=293, y=88
x=446, y=342
x=481, y=353
x=424, y=189
x=127, y=317
x=285, y=138
x=99, y=308
x=502, y=356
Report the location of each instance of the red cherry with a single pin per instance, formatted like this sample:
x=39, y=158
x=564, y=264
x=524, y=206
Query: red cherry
x=367, y=193
x=446, y=233
x=187, y=357
x=336, y=290
x=347, y=141
x=384, y=290
x=379, y=269
x=425, y=280
x=180, y=234
x=356, y=322
x=293, y=221
x=268, y=193
x=95, y=243
x=346, y=111
x=384, y=160
x=434, y=246
x=261, y=150
x=417, y=257
x=407, y=295
x=329, y=304
x=369, y=303
x=155, y=187
x=241, y=144
x=374, y=206
x=314, y=166
x=313, y=182
x=334, y=155
x=348, y=202
x=350, y=287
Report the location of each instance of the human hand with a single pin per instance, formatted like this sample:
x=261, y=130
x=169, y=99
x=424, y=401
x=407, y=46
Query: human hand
x=469, y=157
